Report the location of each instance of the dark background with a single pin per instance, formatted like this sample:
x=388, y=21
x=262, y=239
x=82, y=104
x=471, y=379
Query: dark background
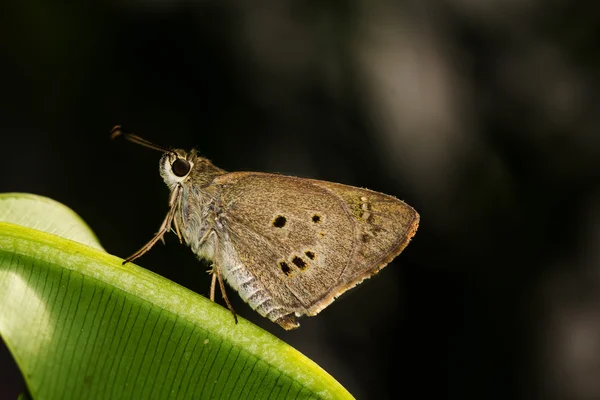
x=483, y=115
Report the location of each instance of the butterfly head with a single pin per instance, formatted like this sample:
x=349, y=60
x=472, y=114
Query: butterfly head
x=176, y=166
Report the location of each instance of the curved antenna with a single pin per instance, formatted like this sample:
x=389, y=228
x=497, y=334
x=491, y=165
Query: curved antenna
x=117, y=131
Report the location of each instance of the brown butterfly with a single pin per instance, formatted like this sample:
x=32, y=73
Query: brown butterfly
x=289, y=246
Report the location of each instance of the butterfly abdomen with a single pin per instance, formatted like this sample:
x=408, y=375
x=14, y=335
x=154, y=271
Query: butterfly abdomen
x=250, y=289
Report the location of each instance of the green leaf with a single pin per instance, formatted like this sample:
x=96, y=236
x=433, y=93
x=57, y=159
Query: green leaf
x=81, y=325
x=46, y=215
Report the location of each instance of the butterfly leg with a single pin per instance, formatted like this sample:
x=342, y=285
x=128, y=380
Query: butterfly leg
x=212, y=285
x=217, y=275
x=164, y=228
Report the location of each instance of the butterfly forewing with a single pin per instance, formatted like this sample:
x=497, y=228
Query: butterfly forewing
x=308, y=241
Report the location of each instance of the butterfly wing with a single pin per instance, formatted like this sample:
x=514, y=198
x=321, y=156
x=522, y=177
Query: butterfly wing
x=308, y=241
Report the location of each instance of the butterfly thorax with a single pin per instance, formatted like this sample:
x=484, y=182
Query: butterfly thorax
x=196, y=200
x=198, y=214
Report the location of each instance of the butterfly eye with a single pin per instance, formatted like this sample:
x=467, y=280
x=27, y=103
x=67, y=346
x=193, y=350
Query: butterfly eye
x=180, y=167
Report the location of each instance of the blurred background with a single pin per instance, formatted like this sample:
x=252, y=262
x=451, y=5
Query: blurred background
x=483, y=115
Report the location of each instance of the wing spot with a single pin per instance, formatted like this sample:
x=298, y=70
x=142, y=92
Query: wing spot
x=310, y=254
x=279, y=222
x=285, y=268
x=316, y=218
x=298, y=262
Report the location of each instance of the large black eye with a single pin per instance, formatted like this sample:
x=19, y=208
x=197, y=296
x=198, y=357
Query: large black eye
x=180, y=167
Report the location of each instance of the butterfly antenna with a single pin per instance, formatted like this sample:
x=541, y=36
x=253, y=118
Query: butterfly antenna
x=118, y=131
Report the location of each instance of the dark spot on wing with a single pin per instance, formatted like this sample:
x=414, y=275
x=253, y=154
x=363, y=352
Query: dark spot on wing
x=310, y=254
x=285, y=268
x=316, y=218
x=298, y=262
x=279, y=222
